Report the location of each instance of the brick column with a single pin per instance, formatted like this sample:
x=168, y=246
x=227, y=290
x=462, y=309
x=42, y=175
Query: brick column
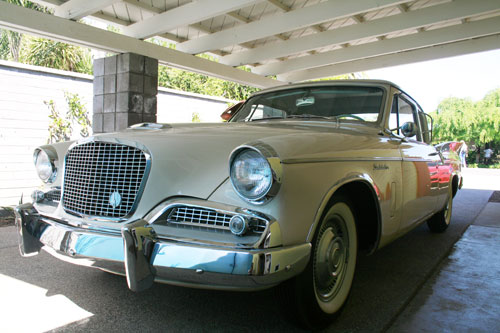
x=125, y=89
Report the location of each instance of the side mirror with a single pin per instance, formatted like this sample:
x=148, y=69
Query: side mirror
x=408, y=129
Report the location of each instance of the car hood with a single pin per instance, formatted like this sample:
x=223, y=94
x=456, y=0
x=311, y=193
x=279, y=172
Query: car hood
x=193, y=159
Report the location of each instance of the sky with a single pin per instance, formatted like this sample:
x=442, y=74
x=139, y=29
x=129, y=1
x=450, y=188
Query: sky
x=429, y=82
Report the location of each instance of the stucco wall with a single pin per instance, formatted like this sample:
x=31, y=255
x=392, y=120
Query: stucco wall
x=24, y=118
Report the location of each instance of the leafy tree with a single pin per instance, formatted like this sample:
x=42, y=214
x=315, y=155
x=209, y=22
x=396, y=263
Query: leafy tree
x=61, y=126
x=11, y=41
x=173, y=78
x=462, y=119
x=48, y=53
x=77, y=112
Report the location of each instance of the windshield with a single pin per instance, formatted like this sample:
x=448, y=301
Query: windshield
x=351, y=103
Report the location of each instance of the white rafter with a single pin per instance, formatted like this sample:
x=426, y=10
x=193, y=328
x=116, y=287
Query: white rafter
x=422, y=39
x=143, y=5
x=279, y=5
x=190, y=13
x=76, y=9
x=402, y=58
x=33, y=22
x=283, y=22
x=454, y=10
x=394, y=45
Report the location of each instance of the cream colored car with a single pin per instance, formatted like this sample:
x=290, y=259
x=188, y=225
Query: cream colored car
x=301, y=180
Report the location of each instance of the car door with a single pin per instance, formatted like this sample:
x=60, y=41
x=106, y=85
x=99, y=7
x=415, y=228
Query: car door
x=420, y=160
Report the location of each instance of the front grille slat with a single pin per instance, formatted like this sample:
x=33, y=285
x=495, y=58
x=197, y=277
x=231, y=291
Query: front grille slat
x=207, y=218
x=96, y=170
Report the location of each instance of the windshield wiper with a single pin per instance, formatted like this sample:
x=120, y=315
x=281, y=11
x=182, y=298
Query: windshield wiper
x=259, y=119
x=310, y=116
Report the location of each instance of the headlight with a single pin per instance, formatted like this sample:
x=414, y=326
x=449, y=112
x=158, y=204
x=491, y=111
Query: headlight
x=253, y=176
x=44, y=166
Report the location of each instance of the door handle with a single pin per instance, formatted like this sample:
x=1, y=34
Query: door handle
x=434, y=154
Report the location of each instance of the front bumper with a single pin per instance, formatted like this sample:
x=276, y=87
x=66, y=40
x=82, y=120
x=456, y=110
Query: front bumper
x=144, y=257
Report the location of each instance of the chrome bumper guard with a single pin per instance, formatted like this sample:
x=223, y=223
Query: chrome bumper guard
x=144, y=257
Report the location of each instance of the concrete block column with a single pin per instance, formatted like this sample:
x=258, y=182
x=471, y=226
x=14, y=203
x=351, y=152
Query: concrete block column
x=125, y=89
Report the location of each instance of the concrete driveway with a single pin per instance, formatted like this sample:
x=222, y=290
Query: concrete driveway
x=42, y=293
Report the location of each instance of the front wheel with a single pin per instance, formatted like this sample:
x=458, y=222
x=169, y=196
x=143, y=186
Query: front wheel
x=316, y=296
x=440, y=221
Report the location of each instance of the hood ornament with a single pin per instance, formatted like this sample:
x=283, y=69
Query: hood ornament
x=115, y=199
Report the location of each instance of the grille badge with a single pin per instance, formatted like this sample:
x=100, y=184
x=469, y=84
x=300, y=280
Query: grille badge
x=115, y=199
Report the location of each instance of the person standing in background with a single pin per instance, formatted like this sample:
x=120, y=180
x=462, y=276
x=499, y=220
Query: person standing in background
x=464, y=150
x=487, y=155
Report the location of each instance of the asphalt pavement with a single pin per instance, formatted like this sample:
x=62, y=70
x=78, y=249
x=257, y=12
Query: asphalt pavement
x=394, y=289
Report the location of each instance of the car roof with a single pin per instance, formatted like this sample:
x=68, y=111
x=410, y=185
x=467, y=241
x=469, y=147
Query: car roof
x=360, y=82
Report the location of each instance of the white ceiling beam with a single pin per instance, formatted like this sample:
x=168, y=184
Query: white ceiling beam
x=187, y=14
x=53, y=4
x=283, y=22
x=238, y=17
x=454, y=10
x=29, y=21
x=110, y=19
x=76, y=9
x=143, y=5
x=418, y=40
x=429, y=53
x=279, y=5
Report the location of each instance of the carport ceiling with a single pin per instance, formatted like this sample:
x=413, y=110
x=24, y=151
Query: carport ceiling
x=279, y=40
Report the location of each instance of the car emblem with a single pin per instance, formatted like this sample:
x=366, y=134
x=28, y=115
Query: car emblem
x=115, y=199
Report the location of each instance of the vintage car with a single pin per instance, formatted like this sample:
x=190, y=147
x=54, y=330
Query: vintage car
x=301, y=180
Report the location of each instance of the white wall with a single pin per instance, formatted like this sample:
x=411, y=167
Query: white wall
x=24, y=118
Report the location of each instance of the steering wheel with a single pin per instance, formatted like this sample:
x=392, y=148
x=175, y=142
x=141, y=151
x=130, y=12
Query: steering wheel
x=348, y=115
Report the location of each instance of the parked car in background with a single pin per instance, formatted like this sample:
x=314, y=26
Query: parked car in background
x=231, y=111
x=300, y=181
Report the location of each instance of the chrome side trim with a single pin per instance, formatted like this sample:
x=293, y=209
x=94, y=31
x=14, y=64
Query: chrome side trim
x=339, y=159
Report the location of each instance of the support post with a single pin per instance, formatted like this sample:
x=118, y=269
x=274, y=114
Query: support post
x=125, y=89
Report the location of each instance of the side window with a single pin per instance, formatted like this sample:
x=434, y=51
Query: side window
x=393, y=118
x=404, y=111
x=424, y=124
x=408, y=113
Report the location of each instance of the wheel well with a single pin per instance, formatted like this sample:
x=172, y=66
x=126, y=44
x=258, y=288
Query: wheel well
x=454, y=185
x=366, y=212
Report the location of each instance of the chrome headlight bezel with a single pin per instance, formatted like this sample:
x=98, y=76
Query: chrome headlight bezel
x=273, y=162
x=48, y=158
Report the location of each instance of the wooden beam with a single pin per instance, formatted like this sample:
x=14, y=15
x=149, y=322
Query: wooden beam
x=284, y=22
x=77, y=9
x=143, y=5
x=410, y=20
x=429, y=53
x=284, y=8
x=187, y=14
x=29, y=21
x=445, y=35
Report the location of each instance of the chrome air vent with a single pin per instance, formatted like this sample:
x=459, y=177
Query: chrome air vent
x=103, y=179
x=53, y=195
x=208, y=218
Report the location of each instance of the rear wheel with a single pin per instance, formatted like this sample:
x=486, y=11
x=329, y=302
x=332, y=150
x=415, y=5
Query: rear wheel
x=317, y=295
x=440, y=221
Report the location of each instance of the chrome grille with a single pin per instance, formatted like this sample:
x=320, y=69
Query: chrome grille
x=95, y=171
x=203, y=217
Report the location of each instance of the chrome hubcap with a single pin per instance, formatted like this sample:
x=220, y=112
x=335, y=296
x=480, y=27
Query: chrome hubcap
x=331, y=257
